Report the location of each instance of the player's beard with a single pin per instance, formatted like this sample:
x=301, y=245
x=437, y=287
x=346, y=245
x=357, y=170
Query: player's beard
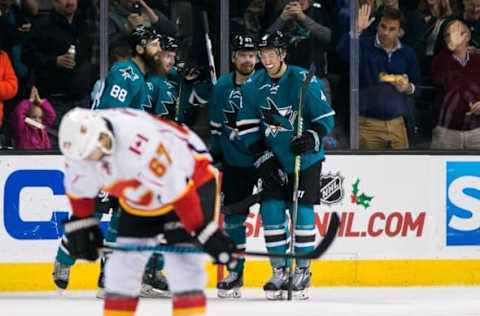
x=149, y=59
x=246, y=70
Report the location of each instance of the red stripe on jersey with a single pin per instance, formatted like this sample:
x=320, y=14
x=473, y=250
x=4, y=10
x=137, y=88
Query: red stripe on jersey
x=120, y=304
x=190, y=300
x=82, y=207
x=202, y=173
x=188, y=207
x=189, y=210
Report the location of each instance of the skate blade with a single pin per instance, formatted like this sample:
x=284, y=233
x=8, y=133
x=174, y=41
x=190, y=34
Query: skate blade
x=60, y=291
x=100, y=294
x=275, y=295
x=233, y=293
x=154, y=293
x=300, y=295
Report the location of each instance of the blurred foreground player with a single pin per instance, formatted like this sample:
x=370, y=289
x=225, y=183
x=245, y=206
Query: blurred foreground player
x=162, y=176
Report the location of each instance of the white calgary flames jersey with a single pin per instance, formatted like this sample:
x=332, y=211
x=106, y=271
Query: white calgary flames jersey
x=152, y=165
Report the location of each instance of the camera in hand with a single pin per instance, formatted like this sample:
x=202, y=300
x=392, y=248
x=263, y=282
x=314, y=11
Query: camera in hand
x=136, y=7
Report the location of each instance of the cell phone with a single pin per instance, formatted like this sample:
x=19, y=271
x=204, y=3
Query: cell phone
x=136, y=7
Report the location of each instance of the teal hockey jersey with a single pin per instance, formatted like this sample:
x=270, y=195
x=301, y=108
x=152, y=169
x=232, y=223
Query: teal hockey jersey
x=225, y=103
x=165, y=91
x=270, y=111
x=124, y=87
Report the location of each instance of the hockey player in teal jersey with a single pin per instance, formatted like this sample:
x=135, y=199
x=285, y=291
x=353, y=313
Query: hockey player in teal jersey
x=124, y=87
x=125, y=84
x=166, y=85
x=267, y=125
x=239, y=176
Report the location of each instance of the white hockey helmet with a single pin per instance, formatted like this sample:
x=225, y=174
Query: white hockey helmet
x=79, y=134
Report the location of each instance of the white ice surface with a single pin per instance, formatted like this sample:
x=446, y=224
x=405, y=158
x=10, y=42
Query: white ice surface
x=336, y=301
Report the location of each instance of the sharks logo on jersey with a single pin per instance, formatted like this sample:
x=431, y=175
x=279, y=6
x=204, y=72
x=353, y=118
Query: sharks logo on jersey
x=170, y=106
x=147, y=107
x=128, y=73
x=231, y=119
x=230, y=115
x=277, y=119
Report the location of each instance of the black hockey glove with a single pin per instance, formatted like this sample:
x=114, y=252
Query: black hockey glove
x=84, y=237
x=104, y=202
x=270, y=171
x=309, y=142
x=217, y=244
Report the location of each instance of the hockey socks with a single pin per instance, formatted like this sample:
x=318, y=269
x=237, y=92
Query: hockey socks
x=120, y=306
x=189, y=303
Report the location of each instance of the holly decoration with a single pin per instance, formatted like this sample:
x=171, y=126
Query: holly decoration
x=361, y=199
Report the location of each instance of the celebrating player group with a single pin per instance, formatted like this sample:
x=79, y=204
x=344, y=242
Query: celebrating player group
x=136, y=146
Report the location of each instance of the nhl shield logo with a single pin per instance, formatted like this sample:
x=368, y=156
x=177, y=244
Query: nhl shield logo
x=331, y=188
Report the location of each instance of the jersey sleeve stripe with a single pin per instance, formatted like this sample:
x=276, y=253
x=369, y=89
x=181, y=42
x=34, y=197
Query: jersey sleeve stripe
x=248, y=122
x=248, y=131
x=331, y=113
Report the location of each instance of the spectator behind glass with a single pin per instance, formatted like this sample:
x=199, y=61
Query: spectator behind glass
x=456, y=76
x=471, y=17
x=126, y=15
x=27, y=136
x=310, y=35
x=63, y=76
x=388, y=74
x=435, y=14
x=413, y=26
x=18, y=19
x=260, y=14
x=8, y=81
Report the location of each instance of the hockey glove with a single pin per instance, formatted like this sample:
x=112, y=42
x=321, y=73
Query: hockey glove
x=84, y=237
x=104, y=202
x=309, y=142
x=270, y=171
x=217, y=244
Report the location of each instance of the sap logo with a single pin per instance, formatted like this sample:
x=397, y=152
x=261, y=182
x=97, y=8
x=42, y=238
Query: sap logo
x=34, y=204
x=463, y=203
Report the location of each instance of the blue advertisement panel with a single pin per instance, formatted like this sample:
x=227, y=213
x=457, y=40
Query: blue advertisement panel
x=463, y=203
x=18, y=228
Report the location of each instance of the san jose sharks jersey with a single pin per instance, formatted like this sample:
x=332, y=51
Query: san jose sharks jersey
x=165, y=92
x=225, y=103
x=124, y=87
x=270, y=111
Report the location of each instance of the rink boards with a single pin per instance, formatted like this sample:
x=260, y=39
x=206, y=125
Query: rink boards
x=406, y=221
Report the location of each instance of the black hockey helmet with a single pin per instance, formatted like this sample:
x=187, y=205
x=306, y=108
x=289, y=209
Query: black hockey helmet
x=273, y=40
x=142, y=35
x=168, y=43
x=243, y=42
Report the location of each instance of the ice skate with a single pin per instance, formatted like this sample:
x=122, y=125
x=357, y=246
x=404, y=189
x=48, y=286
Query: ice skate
x=154, y=284
x=61, y=275
x=273, y=288
x=230, y=286
x=301, y=283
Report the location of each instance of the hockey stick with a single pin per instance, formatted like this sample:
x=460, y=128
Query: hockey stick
x=208, y=43
x=318, y=251
x=241, y=206
x=296, y=181
x=39, y=125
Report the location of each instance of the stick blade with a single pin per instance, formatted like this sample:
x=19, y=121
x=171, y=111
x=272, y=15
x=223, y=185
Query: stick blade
x=327, y=240
x=316, y=253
